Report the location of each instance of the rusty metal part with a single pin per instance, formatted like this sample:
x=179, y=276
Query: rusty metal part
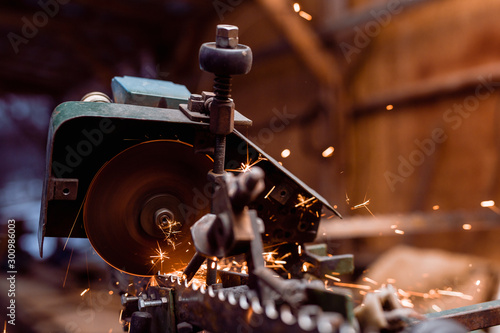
x=301, y=303
x=62, y=188
x=383, y=311
x=228, y=230
x=193, y=266
x=198, y=109
x=221, y=107
x=211, y=278
x=306, y=260
x=473, y=317
x=239, y=309
x=224, y=58
x=219, y=154
x=322, y=265
x=152, y=176
x=438, y=325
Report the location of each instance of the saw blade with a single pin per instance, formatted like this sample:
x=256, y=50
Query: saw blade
x=239, y=309
x=141, y=204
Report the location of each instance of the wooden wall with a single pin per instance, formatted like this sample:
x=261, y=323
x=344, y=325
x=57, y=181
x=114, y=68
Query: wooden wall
x=437, y=64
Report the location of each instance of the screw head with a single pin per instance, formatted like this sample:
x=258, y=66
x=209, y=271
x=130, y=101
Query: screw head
x=226, y=36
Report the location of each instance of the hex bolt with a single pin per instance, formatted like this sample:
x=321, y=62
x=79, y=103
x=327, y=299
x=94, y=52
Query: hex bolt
x=226, y=36
x=128, y=299
x=152, y=303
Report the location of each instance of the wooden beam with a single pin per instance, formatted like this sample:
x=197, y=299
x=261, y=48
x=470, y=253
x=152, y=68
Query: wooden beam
x=418, y=223
x=304, y=41
x=431, y=87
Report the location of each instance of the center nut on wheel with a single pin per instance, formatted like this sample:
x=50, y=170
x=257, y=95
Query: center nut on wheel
x=161, y=217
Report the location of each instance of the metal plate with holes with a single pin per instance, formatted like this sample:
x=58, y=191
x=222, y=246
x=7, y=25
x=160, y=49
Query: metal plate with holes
x=64, y=188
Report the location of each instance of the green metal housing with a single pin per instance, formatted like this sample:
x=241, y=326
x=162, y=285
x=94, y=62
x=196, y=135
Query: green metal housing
x=83, y=136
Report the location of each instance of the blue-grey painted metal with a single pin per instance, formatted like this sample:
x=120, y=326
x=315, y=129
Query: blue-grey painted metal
x=148, y=92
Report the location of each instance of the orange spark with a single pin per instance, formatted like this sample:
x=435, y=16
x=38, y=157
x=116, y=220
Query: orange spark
x=352, y=285
x=160, y=257
x=328, y=152
x=303, y=201
x=305, y=15
x=332, y=278
x=454, y=294
x=367, y=279
x=364, y=205
x=267, y=195
x=244, y=167
x=407, y=303
x=436, y=308
x=285, y=153
x=487, y=203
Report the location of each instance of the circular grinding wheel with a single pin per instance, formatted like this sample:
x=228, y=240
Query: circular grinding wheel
x=141, y=204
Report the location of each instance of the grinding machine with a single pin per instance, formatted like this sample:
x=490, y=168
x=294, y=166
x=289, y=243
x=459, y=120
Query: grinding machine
x=167, y=189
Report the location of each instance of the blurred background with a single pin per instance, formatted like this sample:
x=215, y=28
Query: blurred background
x=391, y=109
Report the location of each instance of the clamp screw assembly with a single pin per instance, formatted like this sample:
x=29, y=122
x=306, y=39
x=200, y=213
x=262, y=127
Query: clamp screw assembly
x=224, y=57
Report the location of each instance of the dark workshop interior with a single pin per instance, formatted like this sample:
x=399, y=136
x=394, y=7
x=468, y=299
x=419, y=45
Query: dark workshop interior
x=389, y=109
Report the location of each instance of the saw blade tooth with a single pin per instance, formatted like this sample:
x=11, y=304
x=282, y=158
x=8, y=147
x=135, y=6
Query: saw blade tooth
x=221, y=295
x=231, y=298
x=271, y=311
x=244, y=302
x=186, y=283
x=211, y=291
x=286, y=315
x=179, y=281
x=305, y=321
x=202, y=289
x=324, y=325
x=172, y=278
x=256, y=307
